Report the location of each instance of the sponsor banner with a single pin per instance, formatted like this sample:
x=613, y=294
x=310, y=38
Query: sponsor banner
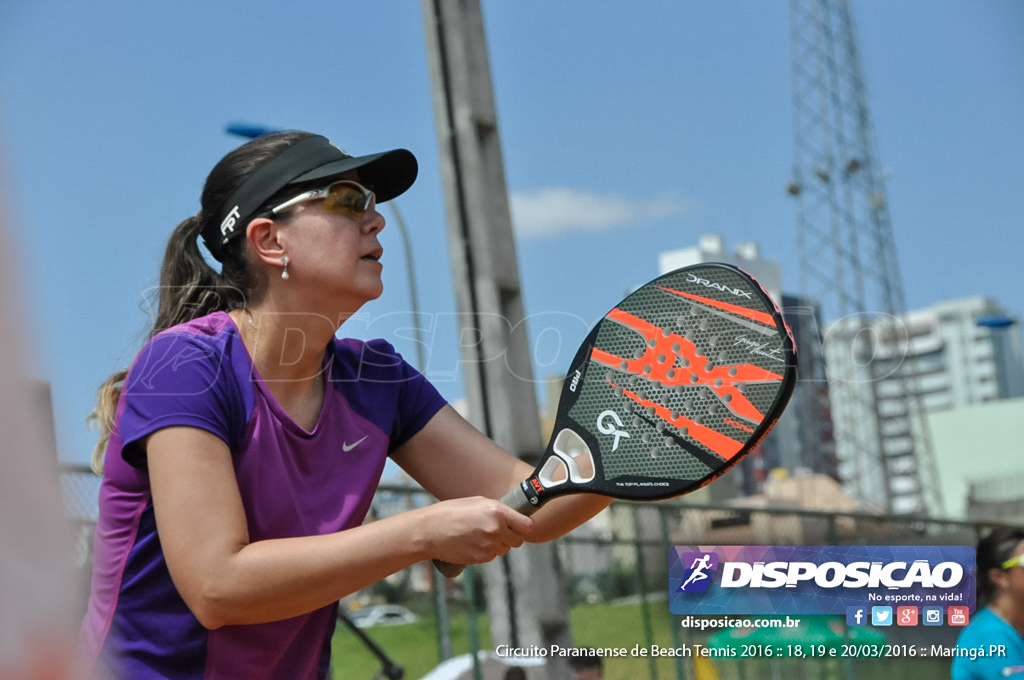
x=827, y=579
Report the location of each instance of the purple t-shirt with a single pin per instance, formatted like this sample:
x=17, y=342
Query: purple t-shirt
x=292, y=482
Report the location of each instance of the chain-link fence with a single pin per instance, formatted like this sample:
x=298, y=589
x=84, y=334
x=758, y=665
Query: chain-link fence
x=615, y=572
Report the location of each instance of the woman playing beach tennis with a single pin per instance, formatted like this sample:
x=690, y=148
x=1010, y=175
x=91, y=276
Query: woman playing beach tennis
x=243, y=446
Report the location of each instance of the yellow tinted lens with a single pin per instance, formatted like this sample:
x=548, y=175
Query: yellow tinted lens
x=348, y=198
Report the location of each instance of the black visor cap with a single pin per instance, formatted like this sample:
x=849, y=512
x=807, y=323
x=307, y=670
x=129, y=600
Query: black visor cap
x=389, y=174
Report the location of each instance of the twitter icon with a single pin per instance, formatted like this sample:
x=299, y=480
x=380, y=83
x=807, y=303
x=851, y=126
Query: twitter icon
x=881, y=616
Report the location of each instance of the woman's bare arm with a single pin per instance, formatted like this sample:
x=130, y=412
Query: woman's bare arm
x=226, y=579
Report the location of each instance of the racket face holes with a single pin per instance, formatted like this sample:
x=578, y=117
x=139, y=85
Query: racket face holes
x=554, y=472
x=638, y=354
x=568, y=443
x=655, y=452
x=732, y=370
x=574, y=456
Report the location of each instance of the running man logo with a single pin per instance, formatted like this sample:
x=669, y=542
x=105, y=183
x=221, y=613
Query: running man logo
x=697, y=577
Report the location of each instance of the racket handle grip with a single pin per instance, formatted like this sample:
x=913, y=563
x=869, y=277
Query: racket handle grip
x=517, y=500
x=514, y=499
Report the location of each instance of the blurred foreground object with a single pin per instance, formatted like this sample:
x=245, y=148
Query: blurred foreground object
x=37, y=630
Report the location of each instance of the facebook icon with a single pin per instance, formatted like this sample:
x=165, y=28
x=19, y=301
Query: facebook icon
x=856, y=616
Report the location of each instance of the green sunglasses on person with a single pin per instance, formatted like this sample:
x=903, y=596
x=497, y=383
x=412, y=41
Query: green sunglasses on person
x=344, y=197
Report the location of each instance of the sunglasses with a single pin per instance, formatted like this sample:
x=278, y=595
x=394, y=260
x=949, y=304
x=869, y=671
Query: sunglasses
x=344, y=197
x=1014, y=562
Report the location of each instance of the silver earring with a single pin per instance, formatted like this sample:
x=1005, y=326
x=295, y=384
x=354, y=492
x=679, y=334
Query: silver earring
x=284, y=272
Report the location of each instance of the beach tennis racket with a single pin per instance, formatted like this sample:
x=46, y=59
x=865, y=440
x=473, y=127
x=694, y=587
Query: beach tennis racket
x=671, y=389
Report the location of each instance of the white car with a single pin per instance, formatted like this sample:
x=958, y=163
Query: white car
x=382, y=615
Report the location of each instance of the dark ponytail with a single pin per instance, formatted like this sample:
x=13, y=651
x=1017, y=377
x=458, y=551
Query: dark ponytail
x=189, y=286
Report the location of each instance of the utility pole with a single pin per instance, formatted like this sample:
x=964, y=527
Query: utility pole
x=848, y=264
x=524, y=590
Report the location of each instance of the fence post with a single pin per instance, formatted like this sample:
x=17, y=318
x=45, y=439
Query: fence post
x=642, y=575
x=472, y=623
x=441, y=616
x=677, y=638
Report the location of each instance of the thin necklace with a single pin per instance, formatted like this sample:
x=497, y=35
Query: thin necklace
x=255, y=353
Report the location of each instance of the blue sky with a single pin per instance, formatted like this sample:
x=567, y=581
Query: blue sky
x=627, y=129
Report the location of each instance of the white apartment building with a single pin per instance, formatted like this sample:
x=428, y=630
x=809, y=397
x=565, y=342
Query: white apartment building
x=967, y=352
x=958, y=354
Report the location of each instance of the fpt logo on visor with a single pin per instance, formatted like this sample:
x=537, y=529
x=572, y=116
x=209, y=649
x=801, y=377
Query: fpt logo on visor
x=818, y=579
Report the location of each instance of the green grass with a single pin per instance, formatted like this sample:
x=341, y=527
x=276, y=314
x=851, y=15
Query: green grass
x=414, y=647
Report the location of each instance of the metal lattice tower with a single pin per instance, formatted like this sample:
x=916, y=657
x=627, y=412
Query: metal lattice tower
x=849, y=264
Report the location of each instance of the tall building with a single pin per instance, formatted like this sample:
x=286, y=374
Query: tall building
x=807, y=441
x=963, y=357
x=968, y=352
x=958, y=352
x=802, y=440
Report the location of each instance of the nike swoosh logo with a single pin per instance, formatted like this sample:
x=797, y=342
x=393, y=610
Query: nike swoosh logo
x=346, y=447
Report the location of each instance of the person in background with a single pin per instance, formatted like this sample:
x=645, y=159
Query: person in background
x=999, y=619
x=587, y=667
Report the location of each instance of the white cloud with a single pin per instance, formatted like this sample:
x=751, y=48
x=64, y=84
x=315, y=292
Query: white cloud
x=555, y=210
